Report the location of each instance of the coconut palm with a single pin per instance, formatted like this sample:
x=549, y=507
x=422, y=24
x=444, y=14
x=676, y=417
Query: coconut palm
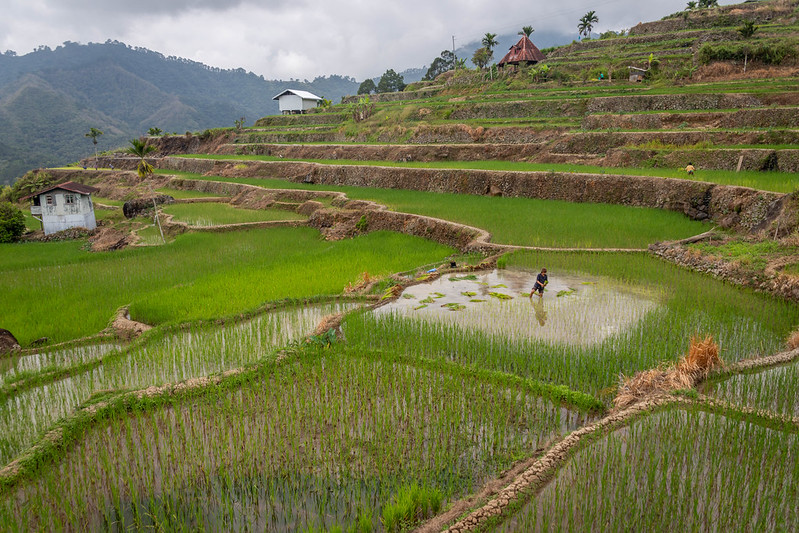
x=587, y=23
x=527, y=31
x=93, y=134
x=140, y=148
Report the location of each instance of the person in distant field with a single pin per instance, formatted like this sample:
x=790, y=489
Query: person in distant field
x=690, y=169
x=540, y=282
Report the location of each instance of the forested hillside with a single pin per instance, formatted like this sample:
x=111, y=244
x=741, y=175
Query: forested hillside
x=50, y=98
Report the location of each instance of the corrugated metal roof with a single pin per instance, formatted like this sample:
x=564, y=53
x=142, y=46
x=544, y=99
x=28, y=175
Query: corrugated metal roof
x=524, y=50
x=70, y=186
x=305, y=95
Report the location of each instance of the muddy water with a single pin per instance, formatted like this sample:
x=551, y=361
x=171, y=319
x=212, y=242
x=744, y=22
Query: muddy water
x=185, y=355
x=11, y=366
x=774, y=390
x=578, y=310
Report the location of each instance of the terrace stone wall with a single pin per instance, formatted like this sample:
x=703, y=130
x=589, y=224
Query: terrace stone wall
x=732, y=207
x=769, y=281
x=743, y=118
x=710, y=159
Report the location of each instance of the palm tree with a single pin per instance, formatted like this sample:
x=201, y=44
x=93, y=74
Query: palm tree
x=490, y=41
x=587, y=23
x=527, y=31
x=93, y=134
x=140, y=148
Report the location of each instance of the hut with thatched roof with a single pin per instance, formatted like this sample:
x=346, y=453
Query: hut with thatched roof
x=522, y=53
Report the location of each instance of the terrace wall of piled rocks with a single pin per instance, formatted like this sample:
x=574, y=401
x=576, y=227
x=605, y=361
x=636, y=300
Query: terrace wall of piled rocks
x=731, y=207
x=771, y=282
x=705, y=159
x=722, y=16
x=787, y=117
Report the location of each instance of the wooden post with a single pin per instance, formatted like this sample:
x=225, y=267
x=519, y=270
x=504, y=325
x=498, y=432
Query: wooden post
x=740, y=162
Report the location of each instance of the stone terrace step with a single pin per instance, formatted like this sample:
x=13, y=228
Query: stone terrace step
x=769, y=117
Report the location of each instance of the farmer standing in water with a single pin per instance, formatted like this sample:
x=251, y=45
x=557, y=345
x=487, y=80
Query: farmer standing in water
x=540, y=282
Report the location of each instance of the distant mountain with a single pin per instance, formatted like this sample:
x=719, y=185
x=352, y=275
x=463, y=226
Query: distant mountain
x=50, y=98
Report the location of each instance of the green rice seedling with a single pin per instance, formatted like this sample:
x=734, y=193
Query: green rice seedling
x=775, y=390
x=673, y=471
x=13, y=367
x=199, y=276
x=623, y=328
x=172, y=357
x=214, y=214
x=325, y=439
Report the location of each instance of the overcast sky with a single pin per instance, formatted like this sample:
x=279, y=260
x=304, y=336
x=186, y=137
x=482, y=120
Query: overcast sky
x=282, y=39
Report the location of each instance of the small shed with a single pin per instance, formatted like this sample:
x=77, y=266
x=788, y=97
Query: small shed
x=637, y=74
x=64, y=206
x=293, y=101
x=523, y=52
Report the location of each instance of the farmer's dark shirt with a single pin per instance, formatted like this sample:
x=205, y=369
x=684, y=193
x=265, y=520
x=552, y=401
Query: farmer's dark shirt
x=541, y=280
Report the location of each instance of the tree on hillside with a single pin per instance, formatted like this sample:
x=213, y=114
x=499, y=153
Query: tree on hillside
x=390, y=82
x=155, y=132
x=140, y=148
x=587, y=23
x=12, y=222
x=527, y=31
x=747, y=31
x=481, y=57
x=367, y=86
x=93, y=134
x=440, y=65
x=691, y=6
x=708, y=3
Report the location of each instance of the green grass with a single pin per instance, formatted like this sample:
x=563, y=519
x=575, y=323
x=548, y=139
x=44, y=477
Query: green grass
x=766, y=181
x=180, y=194
x=199, y=276
x=214, y=214
x=31, y=224
x=521, y=221
x=750, y=254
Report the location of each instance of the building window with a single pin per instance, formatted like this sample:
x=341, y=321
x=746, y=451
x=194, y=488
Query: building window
x=69, y=199
x=50, y=199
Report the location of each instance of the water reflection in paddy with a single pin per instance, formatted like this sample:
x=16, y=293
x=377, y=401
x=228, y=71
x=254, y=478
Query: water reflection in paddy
x=575, y=309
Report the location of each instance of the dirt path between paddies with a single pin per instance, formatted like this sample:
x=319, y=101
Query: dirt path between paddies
x=543, y=469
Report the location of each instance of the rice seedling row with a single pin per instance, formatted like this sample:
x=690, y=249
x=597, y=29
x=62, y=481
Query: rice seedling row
x=170, y=357
x=775, y=390
x=678, y=470
x=319, y=442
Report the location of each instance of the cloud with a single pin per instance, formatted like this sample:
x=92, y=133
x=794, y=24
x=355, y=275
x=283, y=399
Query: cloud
x=300, y=38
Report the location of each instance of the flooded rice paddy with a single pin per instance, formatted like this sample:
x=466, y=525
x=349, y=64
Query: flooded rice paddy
x=174, y=357
x=676, y=470
x=310, y=444
x=14, y=365
x=576, y=310
x=775, y=390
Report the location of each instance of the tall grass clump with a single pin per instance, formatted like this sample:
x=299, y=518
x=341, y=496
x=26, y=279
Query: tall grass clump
x=410, y=505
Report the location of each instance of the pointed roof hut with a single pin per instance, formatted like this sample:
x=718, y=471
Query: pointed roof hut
x=522, y=52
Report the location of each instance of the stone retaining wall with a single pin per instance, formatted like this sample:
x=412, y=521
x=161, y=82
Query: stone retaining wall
x=743, y=118
x=774, y=283
x=731, y=207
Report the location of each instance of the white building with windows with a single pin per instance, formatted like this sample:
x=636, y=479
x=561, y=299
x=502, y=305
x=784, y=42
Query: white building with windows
x=292, y=101
x=64, y=206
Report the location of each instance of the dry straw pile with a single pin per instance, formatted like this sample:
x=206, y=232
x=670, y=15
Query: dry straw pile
x=703, y=356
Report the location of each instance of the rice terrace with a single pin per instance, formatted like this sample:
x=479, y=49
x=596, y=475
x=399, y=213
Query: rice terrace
x=324, y=321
